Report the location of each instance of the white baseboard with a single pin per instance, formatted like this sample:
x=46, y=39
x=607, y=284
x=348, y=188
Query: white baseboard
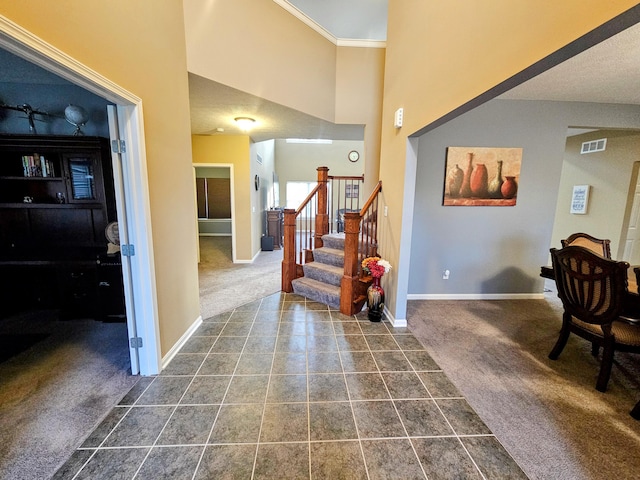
x=248, y=261
x=180, y=343
x=475, y=296
x=395, y=322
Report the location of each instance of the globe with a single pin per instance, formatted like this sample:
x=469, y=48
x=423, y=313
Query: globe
x=77, y=116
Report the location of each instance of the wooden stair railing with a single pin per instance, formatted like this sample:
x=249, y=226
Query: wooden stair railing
x=305, y=226
x=344, y=196
x=303, y=231
x=361, y=241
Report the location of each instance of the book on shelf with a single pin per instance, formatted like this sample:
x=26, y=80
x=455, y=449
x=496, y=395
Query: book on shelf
x=37, y=166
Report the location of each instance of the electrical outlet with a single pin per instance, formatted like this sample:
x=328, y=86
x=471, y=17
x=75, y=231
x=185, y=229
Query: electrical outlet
x=386, y=210
x=445, y=275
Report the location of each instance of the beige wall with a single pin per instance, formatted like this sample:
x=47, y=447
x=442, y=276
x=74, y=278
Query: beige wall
x=235, y=150
x=443, y=54
x=609, y=173
x=271, y=54
x=258, y=47
x=359, y=87
x=141, y=46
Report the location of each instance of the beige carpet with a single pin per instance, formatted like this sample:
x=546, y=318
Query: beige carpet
x=546, y=413
x=225, y=285
x=54, y=393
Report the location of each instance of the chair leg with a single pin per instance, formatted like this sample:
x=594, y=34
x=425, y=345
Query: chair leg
x=595, y=349
x=605, y=367
x=635, y=412
x=562, y=341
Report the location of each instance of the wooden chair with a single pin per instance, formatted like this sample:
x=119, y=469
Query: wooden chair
x=592, y=289
x=601, y=247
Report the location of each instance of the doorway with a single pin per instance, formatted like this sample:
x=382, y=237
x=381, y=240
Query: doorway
x=140, y=292
x=215, y=201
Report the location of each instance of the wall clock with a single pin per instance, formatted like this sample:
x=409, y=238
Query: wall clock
x=353, y=156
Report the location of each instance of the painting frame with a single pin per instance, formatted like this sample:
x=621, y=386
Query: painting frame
x=352, y=190
x=482, y=176
x=580, y=199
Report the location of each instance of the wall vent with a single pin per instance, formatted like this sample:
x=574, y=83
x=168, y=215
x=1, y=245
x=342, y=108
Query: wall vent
x=594, y=146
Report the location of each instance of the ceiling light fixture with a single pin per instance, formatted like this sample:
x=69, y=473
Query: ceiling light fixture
x=245, y=123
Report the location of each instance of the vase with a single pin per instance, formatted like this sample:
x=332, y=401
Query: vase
x=496, y=184
x=375, y=300
x=455, y=181
x=509, y=187
x=465, y=190
x=480, y=181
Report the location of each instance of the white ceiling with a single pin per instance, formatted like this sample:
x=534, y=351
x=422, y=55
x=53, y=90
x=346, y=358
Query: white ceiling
x=606, y=73
x=347, y=19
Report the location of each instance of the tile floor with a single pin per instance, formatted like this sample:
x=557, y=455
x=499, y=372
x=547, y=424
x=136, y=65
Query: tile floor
x=284, y=388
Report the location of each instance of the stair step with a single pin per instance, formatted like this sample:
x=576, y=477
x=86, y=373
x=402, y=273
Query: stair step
x=330, y=256
x=324, y=273
x=334, y=240
x=317, y=291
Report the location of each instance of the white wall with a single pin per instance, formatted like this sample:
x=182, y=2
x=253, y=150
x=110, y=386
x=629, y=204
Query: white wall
x=298, y=162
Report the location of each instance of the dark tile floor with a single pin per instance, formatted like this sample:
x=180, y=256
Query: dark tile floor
x=284, y=388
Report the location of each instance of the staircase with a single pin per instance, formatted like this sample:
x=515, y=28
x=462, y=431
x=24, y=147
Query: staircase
x=322, y=277
x=325, y=266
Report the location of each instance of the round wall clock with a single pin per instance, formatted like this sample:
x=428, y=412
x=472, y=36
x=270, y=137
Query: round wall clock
x=353, y=156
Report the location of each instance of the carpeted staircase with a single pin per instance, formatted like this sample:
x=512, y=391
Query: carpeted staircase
x=321, y=281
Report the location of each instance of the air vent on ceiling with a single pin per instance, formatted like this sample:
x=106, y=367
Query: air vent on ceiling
x=594, y=146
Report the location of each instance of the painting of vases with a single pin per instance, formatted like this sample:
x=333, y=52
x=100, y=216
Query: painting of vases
x=482, y=176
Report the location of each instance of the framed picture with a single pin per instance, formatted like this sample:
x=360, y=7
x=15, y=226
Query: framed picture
x=352, y=190
x=580, y=199
x=482, y=176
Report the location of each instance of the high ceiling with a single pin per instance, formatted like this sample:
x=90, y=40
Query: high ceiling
x=606, y=73
x=214, y=106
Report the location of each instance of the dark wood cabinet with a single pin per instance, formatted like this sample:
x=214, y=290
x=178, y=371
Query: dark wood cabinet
x=275, y=228
x=56, y=199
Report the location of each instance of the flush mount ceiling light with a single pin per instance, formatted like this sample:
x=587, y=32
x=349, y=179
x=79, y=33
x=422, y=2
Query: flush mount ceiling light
x=245, y=123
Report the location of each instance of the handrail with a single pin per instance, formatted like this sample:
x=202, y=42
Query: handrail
x=343, y=195
x=305, y=226
x=307, y=200
x=361, y=240
x=346, y=177
x=376, y=190
x=302, y=234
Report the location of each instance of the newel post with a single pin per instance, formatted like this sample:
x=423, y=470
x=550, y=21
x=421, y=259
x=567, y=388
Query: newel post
x=322, y=218
x=349, y=282
x=289, y=250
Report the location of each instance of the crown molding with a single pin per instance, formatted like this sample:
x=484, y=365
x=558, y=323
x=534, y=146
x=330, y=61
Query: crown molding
x=340, y=42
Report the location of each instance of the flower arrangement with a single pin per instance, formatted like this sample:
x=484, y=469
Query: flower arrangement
x=375, y=266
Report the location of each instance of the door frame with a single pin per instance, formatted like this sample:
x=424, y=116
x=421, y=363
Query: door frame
x=233, y=202
x=141, y=300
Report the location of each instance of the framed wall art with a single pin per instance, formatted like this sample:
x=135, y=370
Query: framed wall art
x=482, y=176
x=580, y=199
